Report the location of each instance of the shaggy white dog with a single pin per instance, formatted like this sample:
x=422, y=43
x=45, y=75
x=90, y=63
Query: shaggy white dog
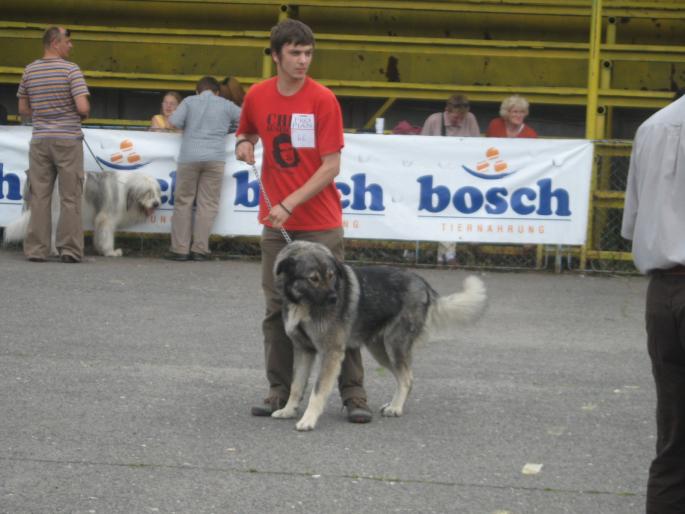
x=111, y=200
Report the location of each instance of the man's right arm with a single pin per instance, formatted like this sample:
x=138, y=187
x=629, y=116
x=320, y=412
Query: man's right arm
x=630, y=206
x=244, y=151
x=178, y=117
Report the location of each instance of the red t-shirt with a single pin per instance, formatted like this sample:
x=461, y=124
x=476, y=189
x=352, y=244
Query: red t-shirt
x=497, y=128
x=296, y=131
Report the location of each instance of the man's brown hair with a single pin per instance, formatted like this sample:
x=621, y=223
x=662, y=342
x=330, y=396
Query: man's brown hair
x=207, y=83
x=290, y=31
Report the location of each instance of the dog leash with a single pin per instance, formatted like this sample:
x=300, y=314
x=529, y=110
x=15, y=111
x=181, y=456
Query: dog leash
x=93, y=154
x=286, y=236
x=97, y=161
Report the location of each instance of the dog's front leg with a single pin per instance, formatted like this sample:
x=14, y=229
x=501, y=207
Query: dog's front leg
x=103, y=236
x=302, y=366
x=331, y=361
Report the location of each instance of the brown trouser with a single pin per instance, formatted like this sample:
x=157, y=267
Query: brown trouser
x=665, y=317
x=50, y=159
x=198, y=182
x=278, y=349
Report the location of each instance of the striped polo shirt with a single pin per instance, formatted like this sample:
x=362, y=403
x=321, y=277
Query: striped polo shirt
x=51, y=86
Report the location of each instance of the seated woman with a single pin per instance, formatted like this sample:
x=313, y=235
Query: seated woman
x=510, y=123
x=160, y=122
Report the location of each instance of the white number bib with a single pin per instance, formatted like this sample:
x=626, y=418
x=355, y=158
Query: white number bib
x=302, y=131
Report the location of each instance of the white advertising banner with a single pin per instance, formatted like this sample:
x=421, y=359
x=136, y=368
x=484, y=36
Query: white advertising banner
x=524, y=191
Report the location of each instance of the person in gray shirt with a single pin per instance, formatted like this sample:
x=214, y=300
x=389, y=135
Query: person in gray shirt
x=654, y=219
x=205, y=119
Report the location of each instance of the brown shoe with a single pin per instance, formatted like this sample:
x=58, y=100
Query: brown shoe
x=173, y=256
x=268, y=407
x=358, y=411
x=69, y=259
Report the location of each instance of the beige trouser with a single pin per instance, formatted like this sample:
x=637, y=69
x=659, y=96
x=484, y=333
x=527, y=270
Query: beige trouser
x=199, y=182
x=278, y=349
x=50, y=159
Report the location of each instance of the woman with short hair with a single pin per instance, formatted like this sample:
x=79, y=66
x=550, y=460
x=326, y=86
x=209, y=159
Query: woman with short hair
x=513, y=112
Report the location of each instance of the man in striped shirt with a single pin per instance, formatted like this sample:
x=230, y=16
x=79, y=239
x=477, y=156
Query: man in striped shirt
x=54, y=94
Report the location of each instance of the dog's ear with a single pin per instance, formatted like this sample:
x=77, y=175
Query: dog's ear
x=285, y=266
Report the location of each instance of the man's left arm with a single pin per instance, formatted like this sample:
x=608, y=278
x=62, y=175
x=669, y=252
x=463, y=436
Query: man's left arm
x=79, y=91
x=24, y=107
x=82, y=106
x=322, y=178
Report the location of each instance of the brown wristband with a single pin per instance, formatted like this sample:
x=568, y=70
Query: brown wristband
x=241, y=142
x=290, y=213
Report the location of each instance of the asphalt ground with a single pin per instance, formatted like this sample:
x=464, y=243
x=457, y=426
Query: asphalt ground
x=127, y=385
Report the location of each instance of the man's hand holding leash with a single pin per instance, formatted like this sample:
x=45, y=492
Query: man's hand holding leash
x=244, y=150
x=279, y=213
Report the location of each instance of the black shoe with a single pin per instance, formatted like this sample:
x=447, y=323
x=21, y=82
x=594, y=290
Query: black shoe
x=37, y=259
x=69, y=259
x=197, y=256
x=268, y=407
x=173, y=256
x=358, y=411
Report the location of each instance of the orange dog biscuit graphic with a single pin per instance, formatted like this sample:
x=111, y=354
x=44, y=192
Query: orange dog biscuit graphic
x=492, y=153
x=482, y=166
x=500, y=166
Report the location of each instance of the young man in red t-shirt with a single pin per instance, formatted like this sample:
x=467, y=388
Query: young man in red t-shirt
x=300, y=125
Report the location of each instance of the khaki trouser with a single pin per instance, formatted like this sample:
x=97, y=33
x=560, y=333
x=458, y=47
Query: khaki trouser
x=50, y=159
x=278, y=349
x=199, y=182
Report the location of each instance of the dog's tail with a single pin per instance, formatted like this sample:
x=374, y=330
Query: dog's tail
x=16, y=230
x=459, y=308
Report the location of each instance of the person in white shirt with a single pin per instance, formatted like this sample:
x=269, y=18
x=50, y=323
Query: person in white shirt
x=654, y=219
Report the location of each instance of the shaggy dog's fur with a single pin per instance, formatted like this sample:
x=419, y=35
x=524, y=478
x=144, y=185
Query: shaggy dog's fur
x=111, y=200
x=329, y=307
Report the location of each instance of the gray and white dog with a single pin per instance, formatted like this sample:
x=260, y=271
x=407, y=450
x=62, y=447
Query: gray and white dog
x=111, y=200
x=329, y=307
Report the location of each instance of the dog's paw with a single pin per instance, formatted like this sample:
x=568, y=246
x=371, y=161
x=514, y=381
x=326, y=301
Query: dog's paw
x=389, y=411
x=284, y=413
x=307, y=423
